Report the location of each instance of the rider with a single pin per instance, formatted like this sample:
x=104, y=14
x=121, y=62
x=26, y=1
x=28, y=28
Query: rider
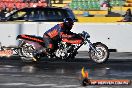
x=59, y=30
x=62, y=30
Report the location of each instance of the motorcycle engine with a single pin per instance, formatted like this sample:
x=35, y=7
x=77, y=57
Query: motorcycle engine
x=63, y=50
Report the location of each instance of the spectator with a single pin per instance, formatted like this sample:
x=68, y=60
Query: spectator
x=14, y=7
x=7, y=12
x=2, y=14
x=4, y=7
x=3, y=11
x=109, y=6
x=127, y=16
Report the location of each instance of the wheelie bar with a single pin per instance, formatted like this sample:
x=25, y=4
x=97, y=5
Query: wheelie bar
x=8, y=51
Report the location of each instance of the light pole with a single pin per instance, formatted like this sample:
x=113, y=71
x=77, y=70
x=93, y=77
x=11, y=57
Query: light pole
x=121, y=7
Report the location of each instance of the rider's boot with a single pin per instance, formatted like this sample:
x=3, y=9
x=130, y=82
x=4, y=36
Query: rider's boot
x=39, y=52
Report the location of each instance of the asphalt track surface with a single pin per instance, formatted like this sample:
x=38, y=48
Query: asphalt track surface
x=53, y=73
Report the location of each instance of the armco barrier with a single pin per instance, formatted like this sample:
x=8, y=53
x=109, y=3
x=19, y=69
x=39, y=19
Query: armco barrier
x=115, y=35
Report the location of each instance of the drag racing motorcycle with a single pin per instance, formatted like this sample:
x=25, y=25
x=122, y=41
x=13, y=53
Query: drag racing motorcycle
x=29, y=44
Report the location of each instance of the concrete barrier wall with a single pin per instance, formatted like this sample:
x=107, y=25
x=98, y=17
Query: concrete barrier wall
x=115, y=35
x=8, y=33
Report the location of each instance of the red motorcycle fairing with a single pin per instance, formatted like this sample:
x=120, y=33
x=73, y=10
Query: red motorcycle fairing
x=31, y=38
x=36, y=41
x=76, y=41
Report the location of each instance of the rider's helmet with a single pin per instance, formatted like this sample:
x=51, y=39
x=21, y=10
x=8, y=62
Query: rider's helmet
x=68, y=23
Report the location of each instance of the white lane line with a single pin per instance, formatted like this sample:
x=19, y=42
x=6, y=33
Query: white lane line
x=12, y=84
x=40, y=85
x=8, y=66
x=17, y=75
x=25, y=84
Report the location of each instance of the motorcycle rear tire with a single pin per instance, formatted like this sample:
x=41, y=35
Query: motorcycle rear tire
x=25, y=55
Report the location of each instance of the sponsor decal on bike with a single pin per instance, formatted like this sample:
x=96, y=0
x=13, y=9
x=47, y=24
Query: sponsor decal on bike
x=28, y=37
x=72, y=41
x=87, y=81
x=6, y=53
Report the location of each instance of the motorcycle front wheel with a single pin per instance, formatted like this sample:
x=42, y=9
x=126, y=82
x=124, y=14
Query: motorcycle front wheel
x=101, y=55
